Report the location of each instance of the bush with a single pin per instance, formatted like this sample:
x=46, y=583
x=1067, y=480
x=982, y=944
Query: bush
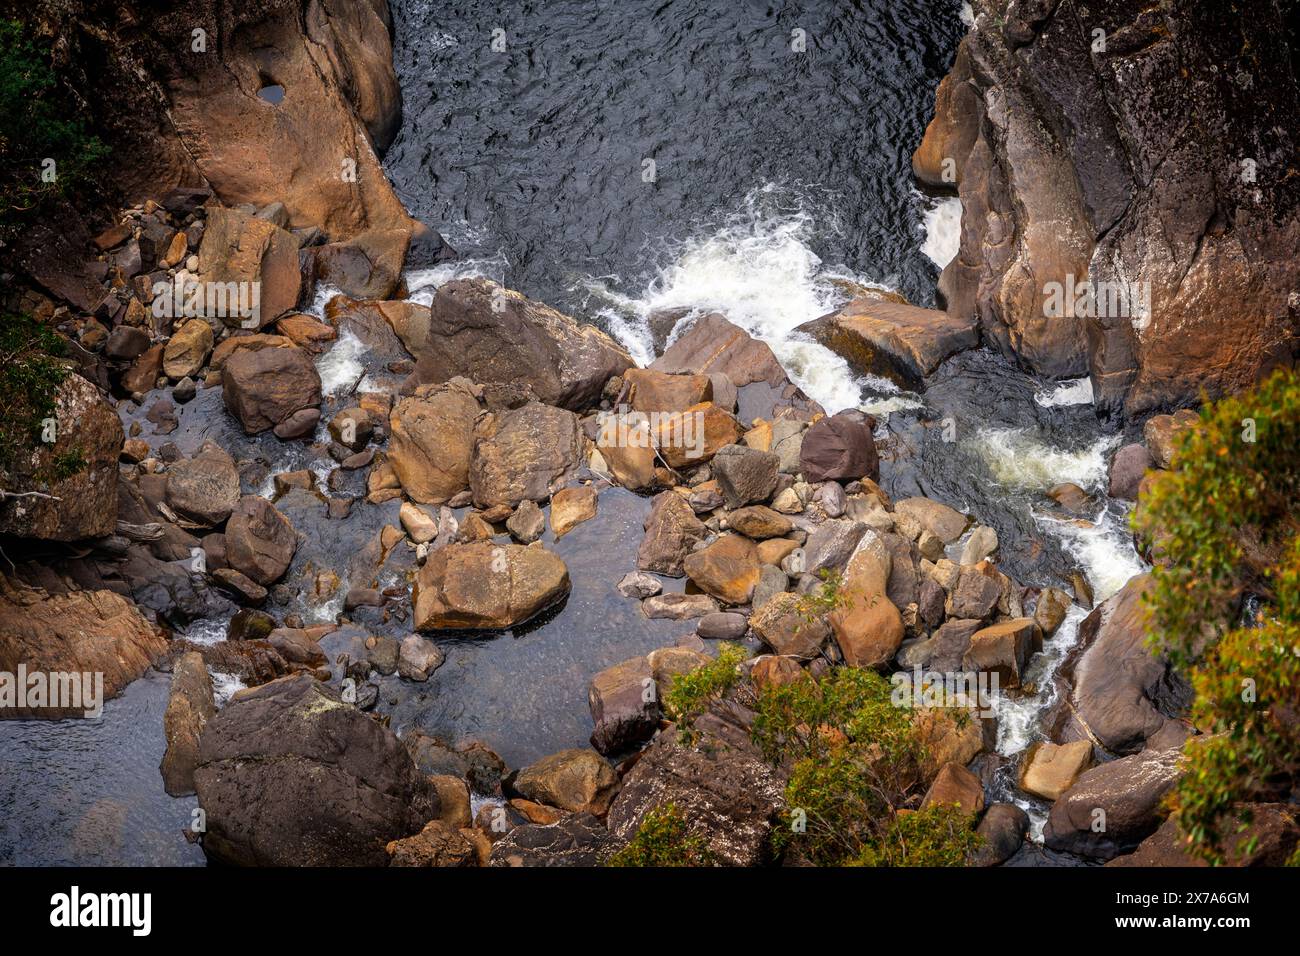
x=31, y=371
x=1226, y=517
x=664, y=839
x=691, y=693
x=855, y=758
x=37, y=122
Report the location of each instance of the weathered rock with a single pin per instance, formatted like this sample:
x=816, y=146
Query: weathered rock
x=1112, y=807
x=528, y=522
x=943, y=522
x=366, y=266
x=955, y=785
x=1053, y=605
x=204, y=488
x=976, y=592
x=892, y=339
x=678, y=607
x=784, y=625
x=80, y=632
x=671, y=532
x=624, y=706
x=188, y=349
x=419, y=524
x=263, y=388
x=694, y=436
x=727, y=569
x=1003, y=832
x=983, y=541
x=290, y=775
x=241, y=248
x=580, y=781
x=494, y=335
x=579, y=839
x=713, y=345
x=840, y=448
x=1126, y=470
x=439, y=844
x=1114, y=689
x=646, y=390
x=419, y=658
x=637, y=585
x=745, y=476
x=486, y=585
x=431, y=443
x=1273, y=832
x=189, y=707
x=80, y=505
x=260, y=542
x=1161, y=433
x=1048, y=770
x=570, y=507
x=832, y=544
x=759, y=522
x=722, y=626
x=1003, y=649
x=668, y=663
x=523, y=453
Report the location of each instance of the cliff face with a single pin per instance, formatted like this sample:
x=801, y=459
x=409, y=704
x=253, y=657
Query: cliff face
x=176, y=88
x=1145, y=148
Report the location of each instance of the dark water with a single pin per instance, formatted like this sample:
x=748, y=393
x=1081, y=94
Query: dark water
x=536, y=154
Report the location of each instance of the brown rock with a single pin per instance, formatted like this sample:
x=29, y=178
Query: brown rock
x=431, y=443
x=580, y=781
x=240, y=247
x=189, y=707
x=570, y=507
x=671, y=533
x=260, y=542
x=840, y=448
x=1048, y=770
x=727, y=569
x=264, y=388
x=955, y=785
x=759, y=522
x=791, y=631
x=523, y=453
x=486, y=585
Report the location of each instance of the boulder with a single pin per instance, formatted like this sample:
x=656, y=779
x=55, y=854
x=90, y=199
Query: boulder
x=944, y=650
x=577, y=839
x=187, y=350
x=1161, y=433
x=784, y=625
x=671, y=533
x=570, y=507
x=528, y=523
x=1112, y=807
x=745, y=476
x=713, y=345
x=646, y=390
x=840, y=448
x=831, y=545
x=1002, y=832
x=78, y=632
x=577, y=780
x=431, y=443
x=981, y=544
x=976, y=593
x=239, y=247
x=1048, y=770
x=204, y=488
x=722, y=626
x=1004, y=649
x=624, y=706
x=955, y=785
x=694, y=436
x=439, y=844
x=727, y=569
x=486, y=585
x=264, y=387
x=67, y=507
x=418, y=658
x=637, y=585
x=419, y=525
x=495, y=336
x=1272, y=832
x=290, y=775
x=190, y=706
x=366, y=266
x=1113, y=689
x=260, y=542
x=894, y=340
x=678, y=607
x=1127, y=468
x=943, y=522
x=759, y=522
x=523, y=453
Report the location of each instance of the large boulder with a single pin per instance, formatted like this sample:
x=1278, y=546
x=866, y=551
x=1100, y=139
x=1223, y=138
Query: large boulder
x=840, y=448
x=46, y=502
x=624, y=705
x=1047, y=770
x=727, y=569
x=745, y=475
x=671, y=533
x=265, y=387
x=577, y=839
x=495, y=336
x=78, y=633
x=432, y=440
x=646, y=390
x=290, y=775
x=1004, y=649
x=713, y=345
x=788, y=627
x=576, y=780
x=724, y=789
x=204, y=488
x=1112, y=688
x=1114, y=806
x=486, y=585
x=1077, y=167
x=187, y=350
x=892, y=339
x=189, y=708
x=523, y=454
x=260, y=542
x=239, y=247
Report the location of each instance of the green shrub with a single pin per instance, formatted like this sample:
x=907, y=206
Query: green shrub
x=1226, y=517
x=938, y=835
x=691, y=693
x=664, y=839
x=31, y=371
x=37, y=122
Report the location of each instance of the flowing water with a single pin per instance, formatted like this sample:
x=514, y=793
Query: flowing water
x=779, y=138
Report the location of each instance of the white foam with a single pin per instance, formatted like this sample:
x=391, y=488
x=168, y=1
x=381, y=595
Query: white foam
x=205, y=631
x=967, y=14
x=1075, y=392
x=942, y=224
x=340, y=368
x=225, y=686
x=1020, y=460
x=421, y=284
x=760, y=271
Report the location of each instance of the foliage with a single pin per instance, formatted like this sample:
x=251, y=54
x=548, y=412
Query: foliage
x=829, y=596
x=30, y=375
x=1227, y=525
x=691, y=693
x=664, y=839
x=938, y=835
x=37, y=122
x=855, y=758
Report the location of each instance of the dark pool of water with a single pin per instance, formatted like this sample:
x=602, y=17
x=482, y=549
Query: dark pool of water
x=536, y=150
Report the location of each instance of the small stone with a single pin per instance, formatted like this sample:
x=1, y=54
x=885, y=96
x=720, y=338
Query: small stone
x=636, y=584
x=418, y=658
